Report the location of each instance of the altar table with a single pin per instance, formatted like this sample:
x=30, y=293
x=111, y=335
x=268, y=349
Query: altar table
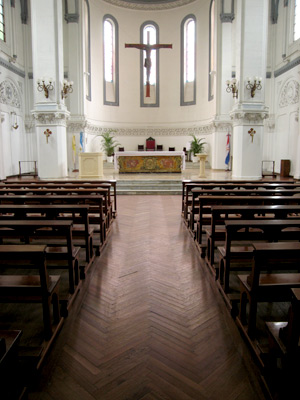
x=149, y=161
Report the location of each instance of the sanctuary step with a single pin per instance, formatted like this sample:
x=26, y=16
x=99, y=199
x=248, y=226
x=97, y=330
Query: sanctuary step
x=170, y=187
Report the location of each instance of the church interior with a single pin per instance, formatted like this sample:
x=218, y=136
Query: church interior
x=149, y=199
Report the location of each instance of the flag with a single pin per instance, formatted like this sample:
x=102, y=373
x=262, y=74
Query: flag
x=81, y=142
x=227, y=159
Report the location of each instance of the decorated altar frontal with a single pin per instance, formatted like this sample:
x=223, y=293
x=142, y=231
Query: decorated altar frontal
x=149, y=161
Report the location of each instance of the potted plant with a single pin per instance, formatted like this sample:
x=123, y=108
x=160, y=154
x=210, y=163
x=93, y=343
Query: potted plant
x=109, y=144
x=196, y=146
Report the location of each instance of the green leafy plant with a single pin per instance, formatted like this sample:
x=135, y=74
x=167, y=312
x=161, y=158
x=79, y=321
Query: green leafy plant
x=196, y=145
x=109, y=143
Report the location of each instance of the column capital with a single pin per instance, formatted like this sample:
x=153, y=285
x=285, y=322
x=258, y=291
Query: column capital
x=245, y=116
x=50, y=117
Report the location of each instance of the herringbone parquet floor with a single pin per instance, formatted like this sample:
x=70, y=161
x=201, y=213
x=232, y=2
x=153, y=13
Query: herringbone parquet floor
x=151, y=324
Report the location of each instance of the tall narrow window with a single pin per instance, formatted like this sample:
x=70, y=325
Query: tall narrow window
x=2, y=22
x=87, y=52
x=212, y=55
x=297, y=20
x=110, y=57
x=149, y=66
x=188, y=61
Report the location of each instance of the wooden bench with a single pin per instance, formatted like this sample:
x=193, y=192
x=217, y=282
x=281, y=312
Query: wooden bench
x=42, y=288
x=197, y=194
x=264, y=284
x=284, y=336
x=79, y=183
x=219, y=214
x=10, y=387
x=206, y=202
x=97, y=219
x=188, y=185
x=78, y=213
x=55, y=234
x=240, y=238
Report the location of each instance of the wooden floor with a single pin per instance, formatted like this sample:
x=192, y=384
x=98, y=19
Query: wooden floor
x=149, y=322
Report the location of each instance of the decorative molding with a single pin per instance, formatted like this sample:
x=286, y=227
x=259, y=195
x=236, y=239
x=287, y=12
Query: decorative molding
x=226, y=17
x=289, y=94
x=290, y=65
x=9, y=94
x=50, y=118
x=149, y=4
x=243, y=117
x=24, y=11
x=274, y=11
x=12, y=68
x=76, y=124
x=71, y=17
x=270, y=122
x=203, y=130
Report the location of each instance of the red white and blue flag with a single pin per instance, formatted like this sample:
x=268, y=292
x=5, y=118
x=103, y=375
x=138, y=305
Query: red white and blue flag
x=227, y=159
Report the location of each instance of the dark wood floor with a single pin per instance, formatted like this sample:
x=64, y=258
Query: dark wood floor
x=149, y=322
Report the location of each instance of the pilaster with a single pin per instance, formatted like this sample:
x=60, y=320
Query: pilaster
x=50, y=112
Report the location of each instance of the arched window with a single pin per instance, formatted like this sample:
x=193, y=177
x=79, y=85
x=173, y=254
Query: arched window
x=188, y=61
x=111, y=62
x=297, y=20
x=149, y=34
x=87, y=52
x=2, y=22
x=212, y=55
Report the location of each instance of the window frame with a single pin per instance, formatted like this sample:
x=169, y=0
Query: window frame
x=115, y=61
x=88, y=85
x=183, y=82
x=142, y=68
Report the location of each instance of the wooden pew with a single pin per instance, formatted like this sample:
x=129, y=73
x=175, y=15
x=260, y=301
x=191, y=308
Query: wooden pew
x=42, y=288
x=219, y=214
x=10, y=388
x=79, y=183
x=197, y=194
x=206, y=202
x=284, y=336
x=56, y=234
x=79, y=213
x=188, y=185
x=107, y=209
x=240, y=236
x=97, y=219
x=264, y=284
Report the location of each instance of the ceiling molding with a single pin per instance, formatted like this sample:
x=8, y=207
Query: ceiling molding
x=148, y=5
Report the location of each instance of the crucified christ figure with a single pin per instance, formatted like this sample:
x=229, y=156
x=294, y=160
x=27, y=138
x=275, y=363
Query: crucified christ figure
x=147, y=48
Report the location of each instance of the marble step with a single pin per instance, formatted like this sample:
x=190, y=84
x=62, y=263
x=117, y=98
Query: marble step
x=149, y=187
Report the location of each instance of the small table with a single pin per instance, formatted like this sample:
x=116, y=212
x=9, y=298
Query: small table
x=202, y=158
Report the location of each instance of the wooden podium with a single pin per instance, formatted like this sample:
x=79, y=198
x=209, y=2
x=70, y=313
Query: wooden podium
x=90, y=165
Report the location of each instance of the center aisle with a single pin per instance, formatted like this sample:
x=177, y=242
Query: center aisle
x=152, y=324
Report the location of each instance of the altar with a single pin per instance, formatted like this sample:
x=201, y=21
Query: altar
x=149, y=161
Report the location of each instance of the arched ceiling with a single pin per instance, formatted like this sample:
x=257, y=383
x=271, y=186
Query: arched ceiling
x=149, y=4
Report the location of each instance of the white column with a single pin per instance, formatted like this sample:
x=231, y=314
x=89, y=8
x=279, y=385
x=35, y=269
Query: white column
x=50, y=113
x=222, y=123
x=249, y=112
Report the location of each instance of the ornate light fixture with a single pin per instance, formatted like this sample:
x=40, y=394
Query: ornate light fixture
x=67, y=88
x=252, y=132
x=231, y=87
x=45, y=86
x=253, y=86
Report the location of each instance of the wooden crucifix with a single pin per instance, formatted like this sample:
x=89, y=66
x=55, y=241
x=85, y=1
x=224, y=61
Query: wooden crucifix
x=148, y=48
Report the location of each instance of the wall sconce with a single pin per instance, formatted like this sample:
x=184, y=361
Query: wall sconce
x=255, y=85
x=14, y=120
x=252, y=132
x=44, y=86
x=67, y=88
x=231, y=87
x=47, y=133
